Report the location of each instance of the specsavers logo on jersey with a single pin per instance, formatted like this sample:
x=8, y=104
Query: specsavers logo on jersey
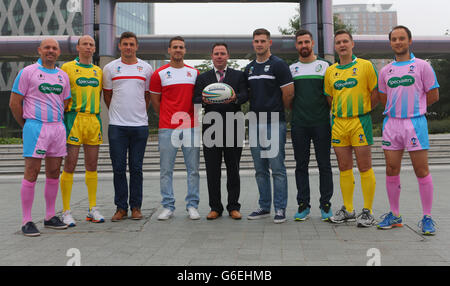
x=349, y=83
x=82, y=81
x=406, y=80
x=48, y=88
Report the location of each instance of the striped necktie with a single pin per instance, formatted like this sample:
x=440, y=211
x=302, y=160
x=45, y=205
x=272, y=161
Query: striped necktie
x=221, y=74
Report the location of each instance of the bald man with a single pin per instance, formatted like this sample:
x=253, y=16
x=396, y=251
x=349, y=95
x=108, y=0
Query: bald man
x=39, y=95
x=83, y=127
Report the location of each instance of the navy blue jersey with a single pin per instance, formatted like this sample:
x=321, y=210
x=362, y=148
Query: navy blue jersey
x=265, y=81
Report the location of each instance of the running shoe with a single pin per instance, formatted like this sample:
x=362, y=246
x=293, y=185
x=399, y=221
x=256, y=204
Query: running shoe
x=68, y=219
x=427, y=225
x=30, y=229
x=343, y=215
x=55, y=223
x=365, y=219
x=390, y=221
x=258, y=214
x=193, y=213
x=303, y=212
x=165, y=214
x=326, y=212
x=95, y=216
x=280, y=216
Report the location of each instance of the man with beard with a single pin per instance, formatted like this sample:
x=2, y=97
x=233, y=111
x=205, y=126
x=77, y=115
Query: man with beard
x=310, y=121
x=407, y=86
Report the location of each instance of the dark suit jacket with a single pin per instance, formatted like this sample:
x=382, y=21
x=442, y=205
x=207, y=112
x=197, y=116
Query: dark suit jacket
x=234, y=78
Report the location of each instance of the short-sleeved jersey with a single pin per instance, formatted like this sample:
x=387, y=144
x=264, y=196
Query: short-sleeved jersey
x=310, y=106
x=44, y=91
x=129, y=84
x=351, y=86
x=406, y=85
x=85, y=86
x=265, y=81
x=176, y=87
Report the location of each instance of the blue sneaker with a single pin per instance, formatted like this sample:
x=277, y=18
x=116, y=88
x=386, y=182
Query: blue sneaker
x=427, y=224
x=326, y=212
x=302, y=213
x=390, y=221
x=280, y=216
x=259, y=213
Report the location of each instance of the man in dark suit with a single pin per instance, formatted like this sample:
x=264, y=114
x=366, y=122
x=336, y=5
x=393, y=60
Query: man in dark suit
x=231, y=152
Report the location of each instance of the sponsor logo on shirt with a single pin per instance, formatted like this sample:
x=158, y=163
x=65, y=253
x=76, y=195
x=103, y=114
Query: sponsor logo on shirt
x=83, y=82
x=406, y=80
x=139, y=68
x=385, y=143
x=168, y=75
x=40, y=152
x=95, y=73
x=349, y=83
x=188, y=74
x=319, y=67
x=296, y=69
x=355, y=70
x=48, y=88
x=412, y=69
x=336, y=141
x=251, y=70
x=118, y=69
x=60, y=78
x=266, y=68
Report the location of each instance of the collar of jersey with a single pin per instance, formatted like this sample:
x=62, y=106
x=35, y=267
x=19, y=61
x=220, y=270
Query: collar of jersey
x=77, y=60
x=343, y=67
x=42, y=68
x=399, y=64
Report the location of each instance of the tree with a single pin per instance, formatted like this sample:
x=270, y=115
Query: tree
x=294, y=24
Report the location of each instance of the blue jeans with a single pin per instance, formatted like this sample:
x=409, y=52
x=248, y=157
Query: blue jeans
x=131, y=140
x=301, y=141
x=275, y=162
x=191, y=153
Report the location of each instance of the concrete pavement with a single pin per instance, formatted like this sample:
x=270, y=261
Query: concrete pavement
x=182, y=242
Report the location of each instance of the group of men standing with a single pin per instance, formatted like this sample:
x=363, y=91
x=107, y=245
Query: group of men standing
x=63, y=105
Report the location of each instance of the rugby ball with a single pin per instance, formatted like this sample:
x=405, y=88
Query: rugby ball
x=217, y=92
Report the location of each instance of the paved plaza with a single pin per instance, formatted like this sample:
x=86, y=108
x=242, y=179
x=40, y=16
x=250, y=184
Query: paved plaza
x=183, y=242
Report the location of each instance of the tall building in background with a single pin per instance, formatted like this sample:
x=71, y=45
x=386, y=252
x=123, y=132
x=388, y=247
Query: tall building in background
x=54, y=17
x=367, y=19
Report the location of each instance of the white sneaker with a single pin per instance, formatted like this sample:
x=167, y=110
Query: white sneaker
x=165, y=214
x=94, y=215
x=68, y=219
x=193, y=213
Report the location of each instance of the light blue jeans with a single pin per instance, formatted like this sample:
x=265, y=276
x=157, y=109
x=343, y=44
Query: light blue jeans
x=275, y=162
x=169, y=142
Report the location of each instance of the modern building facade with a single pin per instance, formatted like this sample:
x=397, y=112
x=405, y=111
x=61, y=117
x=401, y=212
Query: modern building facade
x=54, y=17
x=367, y=19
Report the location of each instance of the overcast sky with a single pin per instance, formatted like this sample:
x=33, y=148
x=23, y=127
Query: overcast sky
x=431, y=17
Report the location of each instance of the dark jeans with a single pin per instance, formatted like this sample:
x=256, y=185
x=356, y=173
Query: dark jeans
x=131, y=140
x=301, y=141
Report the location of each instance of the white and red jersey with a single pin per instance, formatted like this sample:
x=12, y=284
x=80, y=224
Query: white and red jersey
x=129, y=84
x=176, y=87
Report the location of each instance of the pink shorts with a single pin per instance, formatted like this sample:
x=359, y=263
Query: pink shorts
x=42, y=139
x=405, y=133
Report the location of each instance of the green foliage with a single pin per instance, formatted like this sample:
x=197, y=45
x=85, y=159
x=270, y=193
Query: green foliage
x=207, y=65
x=4, y=140
x=439, y=126
x=441, y=109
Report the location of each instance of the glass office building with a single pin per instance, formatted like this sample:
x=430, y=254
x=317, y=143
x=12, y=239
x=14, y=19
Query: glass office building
x=54, y=17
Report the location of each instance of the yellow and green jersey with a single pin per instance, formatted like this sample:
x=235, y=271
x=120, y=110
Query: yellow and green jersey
x=351, y=86
x=85, y=86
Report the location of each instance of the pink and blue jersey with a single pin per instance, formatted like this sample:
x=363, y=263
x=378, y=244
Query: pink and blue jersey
x=44, y=91
x=406, y=85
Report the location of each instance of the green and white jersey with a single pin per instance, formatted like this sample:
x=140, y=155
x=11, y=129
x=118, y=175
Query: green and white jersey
x=310, y=107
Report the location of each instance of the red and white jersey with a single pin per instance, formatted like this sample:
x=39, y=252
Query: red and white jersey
x=129, y=84
x=176, y=87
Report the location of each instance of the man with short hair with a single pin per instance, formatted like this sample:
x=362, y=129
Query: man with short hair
x=231, y=153
x=125, y=91
x=310, y=121
x=83, y=126
x=172, y=90
x=407, y=86
x=38, y=98
x=271, y=91
x=351, y=86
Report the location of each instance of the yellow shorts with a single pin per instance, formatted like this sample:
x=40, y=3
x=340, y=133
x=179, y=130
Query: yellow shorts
x=351, y=131
x=83, y=128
